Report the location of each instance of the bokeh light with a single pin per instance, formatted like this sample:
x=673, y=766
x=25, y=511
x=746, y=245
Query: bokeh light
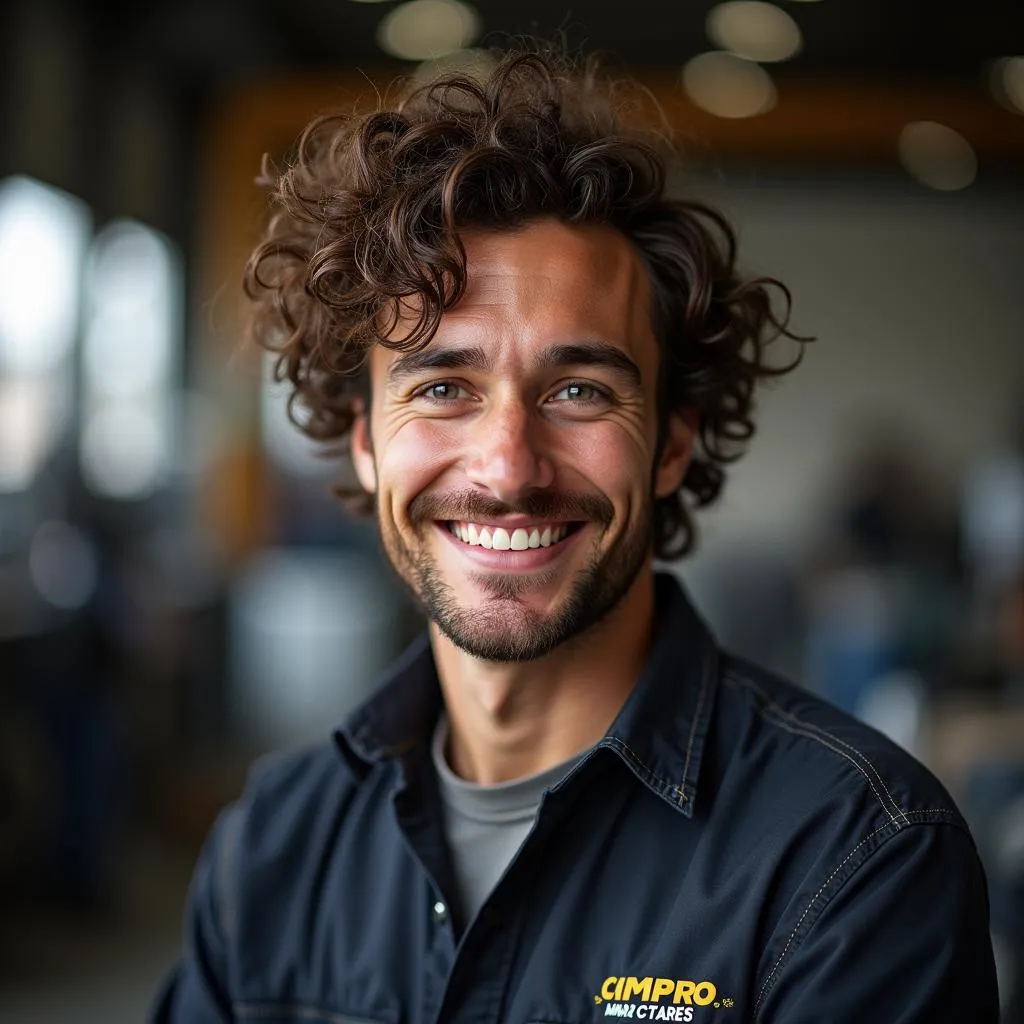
x=1006, y=80
x=937, y=155
x=428, y=29
x=728, y=86
x=754, y=30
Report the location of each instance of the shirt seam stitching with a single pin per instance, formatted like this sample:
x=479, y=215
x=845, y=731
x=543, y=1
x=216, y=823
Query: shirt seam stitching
x=949, y=818
x=649, y=772
x=706, y=675
x=658, y=784
x=791, y=723
x=669, y=786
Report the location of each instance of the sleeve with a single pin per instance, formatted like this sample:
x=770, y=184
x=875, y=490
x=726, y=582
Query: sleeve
x=196, y=991
x=904, y=939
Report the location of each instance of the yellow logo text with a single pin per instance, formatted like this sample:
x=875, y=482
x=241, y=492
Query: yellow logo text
x=654, y=990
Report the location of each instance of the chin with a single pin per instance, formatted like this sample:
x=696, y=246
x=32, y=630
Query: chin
x=541, y=590
x=508, y=634
x=511, y=617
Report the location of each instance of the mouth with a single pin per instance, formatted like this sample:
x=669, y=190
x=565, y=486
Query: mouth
x=520, y=538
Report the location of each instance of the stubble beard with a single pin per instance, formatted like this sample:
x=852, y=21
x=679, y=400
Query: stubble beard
x=502, y=628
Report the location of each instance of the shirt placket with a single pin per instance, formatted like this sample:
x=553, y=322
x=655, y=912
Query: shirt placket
x=466, y=977
x=477, y=991
x=418, y=811
x=476, y=988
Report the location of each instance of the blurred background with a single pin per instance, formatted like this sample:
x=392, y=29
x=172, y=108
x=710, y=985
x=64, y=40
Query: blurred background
x=180, y=593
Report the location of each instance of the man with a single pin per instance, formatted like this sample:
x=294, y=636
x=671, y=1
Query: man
x=565, y=803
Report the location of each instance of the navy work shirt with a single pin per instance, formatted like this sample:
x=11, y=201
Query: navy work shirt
x=733, y=850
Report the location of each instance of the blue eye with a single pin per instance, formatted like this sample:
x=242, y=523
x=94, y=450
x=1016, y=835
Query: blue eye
x=445, y=391
x=580, y=393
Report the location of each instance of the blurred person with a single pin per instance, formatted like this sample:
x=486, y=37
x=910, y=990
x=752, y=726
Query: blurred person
x=565, y=802
x=881, y=597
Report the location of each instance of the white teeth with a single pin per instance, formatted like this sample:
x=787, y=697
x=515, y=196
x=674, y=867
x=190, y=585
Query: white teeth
x=500, y=539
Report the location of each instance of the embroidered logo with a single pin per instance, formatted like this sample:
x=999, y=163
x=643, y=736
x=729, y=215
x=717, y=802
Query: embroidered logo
x=669, y=999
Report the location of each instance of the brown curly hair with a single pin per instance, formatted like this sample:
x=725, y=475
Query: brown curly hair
x=370, y=210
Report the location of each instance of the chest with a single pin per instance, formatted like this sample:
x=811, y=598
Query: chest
x=615, y=906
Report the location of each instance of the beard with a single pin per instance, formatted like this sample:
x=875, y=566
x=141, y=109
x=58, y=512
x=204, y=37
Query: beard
x=502, y=627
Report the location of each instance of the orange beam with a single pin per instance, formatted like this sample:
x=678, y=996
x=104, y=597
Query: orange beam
x=813, y=122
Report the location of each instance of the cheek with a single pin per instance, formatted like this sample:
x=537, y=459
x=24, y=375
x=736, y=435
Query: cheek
x=412, y=456
x=614, y=459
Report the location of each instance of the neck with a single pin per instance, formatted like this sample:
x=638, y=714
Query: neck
x=510, y=720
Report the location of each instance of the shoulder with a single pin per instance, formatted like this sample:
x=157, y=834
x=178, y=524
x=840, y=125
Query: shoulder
x=853, y=835
x=855, y=838
x=293, y=799
x=290, y=813
x=805, y=747
x=286, y=786
x=270, y=844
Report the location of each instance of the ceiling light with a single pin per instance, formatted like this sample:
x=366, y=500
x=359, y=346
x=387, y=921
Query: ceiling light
x=727, y=86
x=754, y=30
x=1006, y=79
x=428, y=29
x=937, y=156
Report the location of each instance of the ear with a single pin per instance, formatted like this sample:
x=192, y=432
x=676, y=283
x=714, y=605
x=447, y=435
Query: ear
x=363, y=460
x=676, y=451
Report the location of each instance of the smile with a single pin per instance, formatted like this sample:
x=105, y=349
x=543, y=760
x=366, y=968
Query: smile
x=497, y=538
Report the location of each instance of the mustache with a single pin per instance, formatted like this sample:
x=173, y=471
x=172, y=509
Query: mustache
x=470, y=506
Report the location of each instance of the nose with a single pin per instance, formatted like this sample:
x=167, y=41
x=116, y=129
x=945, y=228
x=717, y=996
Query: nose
x=507, y=455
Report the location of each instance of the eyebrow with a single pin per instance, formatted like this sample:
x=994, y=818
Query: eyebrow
x=592, y=353
x=475, y=357
x=412, y=364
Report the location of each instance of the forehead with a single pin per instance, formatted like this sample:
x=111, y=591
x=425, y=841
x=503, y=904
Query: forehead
x=549, y=283
x=590, y=271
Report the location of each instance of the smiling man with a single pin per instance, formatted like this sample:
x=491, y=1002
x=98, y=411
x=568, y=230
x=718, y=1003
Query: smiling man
x=566, y=802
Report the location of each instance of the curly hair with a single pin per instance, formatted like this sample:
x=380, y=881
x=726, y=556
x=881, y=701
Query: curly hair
x=369, y=214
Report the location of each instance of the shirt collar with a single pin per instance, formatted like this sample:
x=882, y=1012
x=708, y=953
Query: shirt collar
x=659, y=732
x=399, y=716
x=661, y=729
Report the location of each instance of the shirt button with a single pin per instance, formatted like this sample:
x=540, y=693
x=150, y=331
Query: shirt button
x=439, y=913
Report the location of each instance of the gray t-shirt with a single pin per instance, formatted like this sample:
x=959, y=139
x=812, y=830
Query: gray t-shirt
x=486, y=825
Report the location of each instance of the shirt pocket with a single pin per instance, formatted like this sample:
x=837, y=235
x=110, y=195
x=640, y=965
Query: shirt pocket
x=298, y=1013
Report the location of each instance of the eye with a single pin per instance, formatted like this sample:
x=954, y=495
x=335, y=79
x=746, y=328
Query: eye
x=580, y=393
x=442, y=391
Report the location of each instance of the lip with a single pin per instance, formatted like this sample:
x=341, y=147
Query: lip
x=511, y=523
x=511, y=561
